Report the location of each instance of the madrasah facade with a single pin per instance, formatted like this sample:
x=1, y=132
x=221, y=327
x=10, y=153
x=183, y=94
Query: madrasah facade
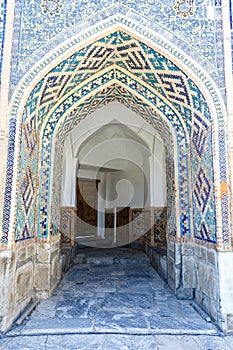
x=115, y=128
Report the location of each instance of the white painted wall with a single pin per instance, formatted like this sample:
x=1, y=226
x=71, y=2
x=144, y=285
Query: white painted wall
x=157, y=163
x=225, y=261
x=126, y=188
x=68, y=190
x=131, y=139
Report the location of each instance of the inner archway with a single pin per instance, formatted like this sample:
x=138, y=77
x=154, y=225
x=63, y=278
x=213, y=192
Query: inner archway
x=126, y=156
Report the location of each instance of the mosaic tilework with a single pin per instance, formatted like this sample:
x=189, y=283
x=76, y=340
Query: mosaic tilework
x=9, y=178
x=231, y=14
x=202, y=180
x=161, y=82
x=2, y=30
x=67, y=225
x=160, y=226
x=55, y=220
x=153, y=221
x=27, y=193
x=33, y=27
x=231, y=23
x=52, y=8
x=140, y=218
x=146, y=93
x=134, y=56
x=175, y=87
x=185, y=8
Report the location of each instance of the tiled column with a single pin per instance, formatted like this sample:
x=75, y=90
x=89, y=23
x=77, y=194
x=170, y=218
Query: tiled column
x=229, y=94
x=4, y=105
x=225, y=259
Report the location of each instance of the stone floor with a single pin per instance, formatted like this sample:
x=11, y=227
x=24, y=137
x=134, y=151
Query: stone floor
x=114, y=299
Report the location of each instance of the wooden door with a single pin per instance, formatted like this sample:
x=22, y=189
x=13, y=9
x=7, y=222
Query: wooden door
x=122, y=224
x=109, y=225
x=87, y=206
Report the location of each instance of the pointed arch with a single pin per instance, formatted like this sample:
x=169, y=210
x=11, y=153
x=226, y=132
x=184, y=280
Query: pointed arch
x=183, y=93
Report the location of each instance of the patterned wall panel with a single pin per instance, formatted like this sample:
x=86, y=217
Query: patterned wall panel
x=231, y=24
x=120, y=49
x=141, y=70
x=67, y=225
x=27, y=191
x=160, y=226
x=38, y=29
x=149, y=223
x=9, y=180
x=202, y=181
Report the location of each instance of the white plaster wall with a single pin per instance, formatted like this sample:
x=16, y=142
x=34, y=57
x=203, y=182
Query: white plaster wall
x=139, y=143
x=225, y=261
x=101, y=204
x=113, y=112
x=158, y=176
x=126, y=188
x=68, y=190
x=112, y=149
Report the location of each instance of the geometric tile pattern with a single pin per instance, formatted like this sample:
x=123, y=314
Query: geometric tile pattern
x=47, y=140
x=130, y=55
x=231, y=24
x=200, y=129
x=203, y=181
x=30, y=134
x=123, y=51
x=141, y=70
x=226, y=236
x=30, y=44
x=8, y=181
x=231, y=14
x=160, y=223
x=27, y=190
x=27, y=179
x=202, y=190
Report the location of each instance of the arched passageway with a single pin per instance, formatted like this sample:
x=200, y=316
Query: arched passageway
x=120, y=68
x=119, y=164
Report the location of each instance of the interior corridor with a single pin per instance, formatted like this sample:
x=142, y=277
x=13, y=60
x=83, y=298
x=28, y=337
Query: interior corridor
x=113, y=291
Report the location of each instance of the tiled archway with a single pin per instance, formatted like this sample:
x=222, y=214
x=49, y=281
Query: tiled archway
x=121, y=58
x=119, y=66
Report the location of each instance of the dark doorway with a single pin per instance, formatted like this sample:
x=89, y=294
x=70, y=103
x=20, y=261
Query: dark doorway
x=87, y=206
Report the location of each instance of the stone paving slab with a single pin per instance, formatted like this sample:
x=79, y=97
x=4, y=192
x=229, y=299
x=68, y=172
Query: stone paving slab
x=58, y=326
x=121, y=322
x=129, y=301
x=169, y=325
x=25, y=343
x=117, y=342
